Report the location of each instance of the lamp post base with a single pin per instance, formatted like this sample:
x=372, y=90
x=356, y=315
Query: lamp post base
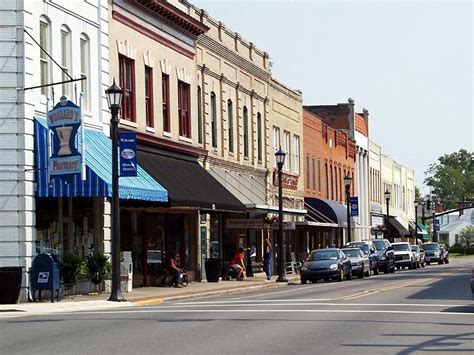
x=281, y=279
x=117, y=297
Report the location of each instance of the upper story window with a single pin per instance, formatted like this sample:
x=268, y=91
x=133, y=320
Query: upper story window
x=230, y=122
x=127, y=82
x=149, y=97
x=297, y=153
x=66, y=59
x=246, y=131
x=199, y=115
x=213, y=120
x=259, y=136
x=276, y=141
x=313, y=169
x=85, y=70
x=165, y=94
x=184, y=109
x=308, y=173
x=287, y=149
x=319, y=175
x=45, y=43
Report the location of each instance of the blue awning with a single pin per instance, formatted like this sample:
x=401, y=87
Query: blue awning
x=326, y=211
x=98, y=182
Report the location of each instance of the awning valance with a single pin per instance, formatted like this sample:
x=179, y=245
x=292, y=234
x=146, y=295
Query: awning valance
x=98, y=181
x=422, y=231
x=398, y=227
x=188, y=184
x=325, y=211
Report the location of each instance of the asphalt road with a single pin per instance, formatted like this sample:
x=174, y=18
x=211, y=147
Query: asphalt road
x=421, y=311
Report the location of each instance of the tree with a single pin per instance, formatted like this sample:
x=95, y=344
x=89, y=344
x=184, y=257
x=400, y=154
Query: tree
x=452, y=178
x=466, y=237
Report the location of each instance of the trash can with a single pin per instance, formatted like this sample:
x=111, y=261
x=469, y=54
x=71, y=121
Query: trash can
x=213, y=268
x=45, y=275
x=10, y=284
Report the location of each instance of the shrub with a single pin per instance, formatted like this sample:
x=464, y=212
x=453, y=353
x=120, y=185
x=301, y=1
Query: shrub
x=71, y=266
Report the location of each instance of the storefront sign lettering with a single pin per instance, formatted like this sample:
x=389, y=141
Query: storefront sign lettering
x=288, y=181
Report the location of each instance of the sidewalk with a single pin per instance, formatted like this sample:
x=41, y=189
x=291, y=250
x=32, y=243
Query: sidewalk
x=140, y=297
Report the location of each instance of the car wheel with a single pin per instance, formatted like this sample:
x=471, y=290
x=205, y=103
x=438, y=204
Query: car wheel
x=392, y=270
x=349, y=275
x=422, y=264
x=440, y=262
x=427, y=263
x=386, y=270
x=361, y=274
x=446, y=261
x=376, y=271
x=341, y=275
x=304, y=281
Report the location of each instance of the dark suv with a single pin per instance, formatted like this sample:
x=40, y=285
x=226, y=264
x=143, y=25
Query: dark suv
x=433, y=253
x=370, y=250
x=386, y=261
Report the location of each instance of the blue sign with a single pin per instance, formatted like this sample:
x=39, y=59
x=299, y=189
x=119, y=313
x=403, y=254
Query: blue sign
x=354, y=202
x=128, y=153
x=64, y=120
x=436, y=225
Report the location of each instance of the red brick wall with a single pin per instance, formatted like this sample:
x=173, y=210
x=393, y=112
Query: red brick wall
x=328, y=147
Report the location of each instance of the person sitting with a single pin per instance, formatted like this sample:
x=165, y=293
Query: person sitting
x=175, y=272
x=237, y=263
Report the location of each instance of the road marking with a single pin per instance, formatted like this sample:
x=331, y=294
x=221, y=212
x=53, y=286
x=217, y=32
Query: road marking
x=188, y=311
x=186, y=306
x=314, y=301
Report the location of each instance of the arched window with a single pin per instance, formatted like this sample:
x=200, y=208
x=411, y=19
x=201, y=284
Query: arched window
x=66, y=59
x=259, y=136
x=199, y=100
x=85, y=70
x=213, y=120
x=45, y=43
x=230, y=122
x=246, y=131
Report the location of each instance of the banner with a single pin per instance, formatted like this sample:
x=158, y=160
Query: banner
x=128, y=153
x=354, y=203
x=64, y=120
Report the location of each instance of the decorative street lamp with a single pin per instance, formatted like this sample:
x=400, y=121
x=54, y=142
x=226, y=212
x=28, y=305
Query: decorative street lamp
x=387, y=200
x=280, y=160
x=416, y=203
x=347, y=183
x=114, y=99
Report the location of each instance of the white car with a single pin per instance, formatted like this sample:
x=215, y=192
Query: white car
x=404, y=256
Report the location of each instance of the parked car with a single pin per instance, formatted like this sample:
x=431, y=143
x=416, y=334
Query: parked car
x=433, y=253
x=386, y=255
x=403, y=255
x=329, y=263
x=359, y=261
x=369, y=249
x=419, y=255
x=445, y=251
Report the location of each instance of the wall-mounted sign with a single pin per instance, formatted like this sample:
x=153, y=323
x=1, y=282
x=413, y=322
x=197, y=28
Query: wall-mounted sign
x=64, y=120
x=354, y=203
x=128, y=153
x=288, y=181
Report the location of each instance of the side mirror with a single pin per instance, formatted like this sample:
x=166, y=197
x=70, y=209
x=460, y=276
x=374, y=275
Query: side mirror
x=390, y=248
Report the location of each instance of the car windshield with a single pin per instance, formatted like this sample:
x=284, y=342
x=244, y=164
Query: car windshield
x=400, y=247
x=430, y=247
x=380, y=244
x=414, y=248
x=323, y=255
x=353, y=252
x=363, y=247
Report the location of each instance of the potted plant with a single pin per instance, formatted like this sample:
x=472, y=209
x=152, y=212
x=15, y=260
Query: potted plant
x=98, y=268
x=71, y=266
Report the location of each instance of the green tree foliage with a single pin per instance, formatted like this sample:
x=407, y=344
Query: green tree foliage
x=452, y=178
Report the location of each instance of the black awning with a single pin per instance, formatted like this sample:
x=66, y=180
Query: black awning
x=398, y=227
x=325, y=211
x=188, y=183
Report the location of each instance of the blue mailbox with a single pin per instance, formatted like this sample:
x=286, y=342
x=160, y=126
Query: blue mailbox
x=45, y=275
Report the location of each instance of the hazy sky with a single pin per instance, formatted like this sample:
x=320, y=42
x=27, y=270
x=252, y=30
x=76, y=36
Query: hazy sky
x=409, y=63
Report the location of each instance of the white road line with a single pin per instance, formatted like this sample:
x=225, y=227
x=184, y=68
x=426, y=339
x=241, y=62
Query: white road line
x=303, y=303
x=188, y=311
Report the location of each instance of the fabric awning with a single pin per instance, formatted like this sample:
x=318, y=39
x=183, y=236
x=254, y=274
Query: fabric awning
x=422, y=231
x=398, y=227
x=325, y=211
x=188, y=183
x=98, y=181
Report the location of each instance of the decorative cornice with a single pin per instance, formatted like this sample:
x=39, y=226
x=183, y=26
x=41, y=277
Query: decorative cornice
x=173, y=15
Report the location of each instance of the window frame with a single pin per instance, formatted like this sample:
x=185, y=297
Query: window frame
x=245, y=127
x=123, y=62
x=230, y=124
x=259, y=136
x=199, y=114
x=45, y=62
x=66, y=62
x=213, y=100
x=287, y=147
x=296, y=140
x=149, y=116
x=184, y=109
x=84, y=49
x=165, y=102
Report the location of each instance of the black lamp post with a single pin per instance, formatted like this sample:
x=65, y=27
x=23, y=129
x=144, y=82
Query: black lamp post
x=347, y=183
x=114, y=99
x=387, y=201
x=280, y=160
x=416, y=203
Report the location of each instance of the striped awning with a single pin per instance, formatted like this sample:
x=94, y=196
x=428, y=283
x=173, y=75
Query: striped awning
x=98, y=181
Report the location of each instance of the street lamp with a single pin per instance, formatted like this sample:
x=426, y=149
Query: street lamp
x=347, y=183
x=416, y=203
x=114, y=99
x=280, y=160
x=387, y=200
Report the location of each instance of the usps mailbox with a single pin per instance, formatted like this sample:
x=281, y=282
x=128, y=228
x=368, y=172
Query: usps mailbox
x=45, y=275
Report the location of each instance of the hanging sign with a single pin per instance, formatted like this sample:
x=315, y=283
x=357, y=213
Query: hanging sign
x=128, y=153
x=64, y=121
x=354, y=203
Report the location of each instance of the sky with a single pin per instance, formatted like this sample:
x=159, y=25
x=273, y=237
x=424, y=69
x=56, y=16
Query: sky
x=410, y=63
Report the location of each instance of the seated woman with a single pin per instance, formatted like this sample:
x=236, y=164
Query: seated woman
x=237, y=263
x=175, y=272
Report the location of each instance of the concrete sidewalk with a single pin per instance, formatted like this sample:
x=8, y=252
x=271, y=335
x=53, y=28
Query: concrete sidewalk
x=139, y=297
